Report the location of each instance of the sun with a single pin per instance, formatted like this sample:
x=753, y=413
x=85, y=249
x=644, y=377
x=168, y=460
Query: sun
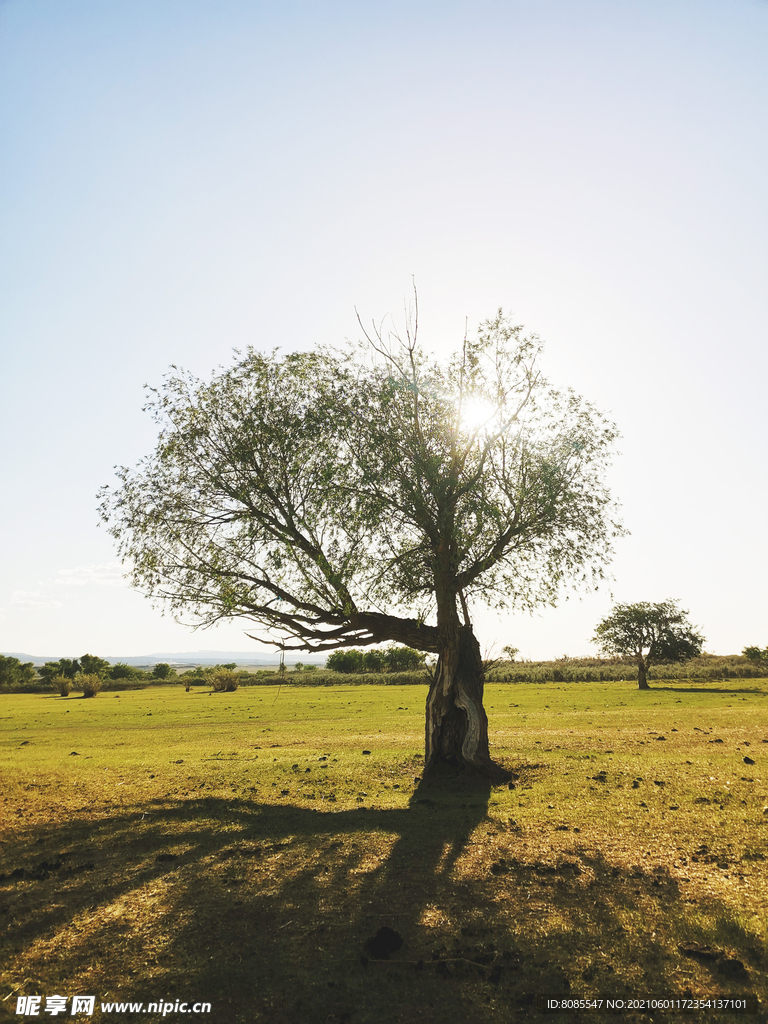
x=477, y=414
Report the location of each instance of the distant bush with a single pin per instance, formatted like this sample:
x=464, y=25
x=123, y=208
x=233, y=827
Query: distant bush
x=402, y=659
x=393, y=659
x=705, y=668
x=345, y=661
x=374, y=661
x=225, y=680
x=90, y=684
x=15, y=674
x=757, y=656
x=326, y=677
x=122, y=671
x=163, y=671
x=194, y=675
x=62, y=685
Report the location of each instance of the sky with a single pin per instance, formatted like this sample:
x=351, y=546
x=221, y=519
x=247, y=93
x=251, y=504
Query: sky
x=181, y=179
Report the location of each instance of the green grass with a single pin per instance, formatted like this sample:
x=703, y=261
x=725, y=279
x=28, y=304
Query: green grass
x=241, y=848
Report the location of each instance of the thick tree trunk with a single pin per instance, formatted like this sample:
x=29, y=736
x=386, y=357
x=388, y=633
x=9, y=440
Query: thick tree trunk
x=642, y=676
x=456, y=722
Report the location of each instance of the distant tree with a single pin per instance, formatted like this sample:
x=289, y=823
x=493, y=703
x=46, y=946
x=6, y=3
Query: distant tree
x=92, y=666
x=511, y=652
x=68, y=667
x=757, y=656
x=122, y=671
x=374, y=661
x=348, y=660
x=163, y=671
x=649, y=633
x=402, y=659
x=198, y=674
x=49, y=671
x=14, y=672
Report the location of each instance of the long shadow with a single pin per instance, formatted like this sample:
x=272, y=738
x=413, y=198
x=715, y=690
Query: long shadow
x=289, y=915
x=233, y=897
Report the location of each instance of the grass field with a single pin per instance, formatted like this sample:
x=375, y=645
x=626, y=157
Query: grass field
x=242, y=849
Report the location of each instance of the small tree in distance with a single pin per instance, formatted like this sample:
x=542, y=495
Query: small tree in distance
x=649, y=633
x=757, y=656
x=14, y=673
x=91, y=665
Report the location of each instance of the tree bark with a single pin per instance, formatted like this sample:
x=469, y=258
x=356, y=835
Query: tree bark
x=642, y=676
x=456, y=733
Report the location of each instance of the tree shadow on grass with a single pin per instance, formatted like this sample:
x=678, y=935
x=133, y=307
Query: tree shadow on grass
x=267, y=911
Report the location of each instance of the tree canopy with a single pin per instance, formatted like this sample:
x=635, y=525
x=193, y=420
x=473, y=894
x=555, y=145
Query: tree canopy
x=394, y=659
x=14, y=672
x=757, y=655
x=67, y=667
x=348, y=499
x=91, y=664
x=649, y=633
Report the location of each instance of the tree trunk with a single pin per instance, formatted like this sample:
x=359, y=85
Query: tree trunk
x=456, y=722
x=642, y=676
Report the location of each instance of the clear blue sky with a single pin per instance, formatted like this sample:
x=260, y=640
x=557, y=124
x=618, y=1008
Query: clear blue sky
x=181, y=178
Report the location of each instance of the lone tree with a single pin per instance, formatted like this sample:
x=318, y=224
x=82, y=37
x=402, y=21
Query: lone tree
x=348, y=499
x=649, y=633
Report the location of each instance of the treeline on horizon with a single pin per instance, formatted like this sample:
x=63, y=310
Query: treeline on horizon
x=396, y=666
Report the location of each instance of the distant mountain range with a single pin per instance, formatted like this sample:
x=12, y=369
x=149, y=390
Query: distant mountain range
x=187, y=658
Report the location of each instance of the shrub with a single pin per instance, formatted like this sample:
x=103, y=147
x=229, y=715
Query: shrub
x=62, y=685
x=162, y=670
x=91, y=684
x=756, y=656
x=348, y=660
x=122, y=671
x=393, y=659
x=224, y=680
x=402, y=659
x=373, y=661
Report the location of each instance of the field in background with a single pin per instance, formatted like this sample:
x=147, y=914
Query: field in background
x=708, y=668
x=244, y=848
